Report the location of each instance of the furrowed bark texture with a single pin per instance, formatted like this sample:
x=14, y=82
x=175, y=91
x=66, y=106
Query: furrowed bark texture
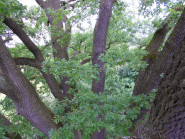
x=168, y=111
x=21, y=92
x=5, y=122
x=99, y=42
x=149, y=78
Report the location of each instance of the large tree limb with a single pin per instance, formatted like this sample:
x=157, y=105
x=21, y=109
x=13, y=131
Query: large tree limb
x=17, y=29
x=56, y=91
x=27, y=61
x=61, y=49
x=149, y=78
x=50, y=79
x=54, y=86
x=22, y=93
x=159, y=36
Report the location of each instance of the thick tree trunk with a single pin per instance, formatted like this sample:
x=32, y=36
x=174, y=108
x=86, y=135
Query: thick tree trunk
x=167, y=114
x=14, y=84
x=149, y=78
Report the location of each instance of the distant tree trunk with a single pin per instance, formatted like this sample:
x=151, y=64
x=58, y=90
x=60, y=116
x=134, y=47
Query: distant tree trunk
x=99, y=47
x=61, y=49
x=167, y=115
x=99, y=42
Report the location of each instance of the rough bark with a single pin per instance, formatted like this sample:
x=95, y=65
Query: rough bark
x=5, y=122
x=14, y=84
x=167, y=114
x=149, y=78
x=77, y=134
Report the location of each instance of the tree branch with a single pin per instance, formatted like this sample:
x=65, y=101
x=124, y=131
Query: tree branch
x=64, y=3
x=50, y=79
x=85, y=61
x=27, y=61
x=159, y=35
x=109, y=44
x=23, y=94
x=8, y=39
x=55, y=89
x=143, y=83
x=16, y=28
x=61, y=52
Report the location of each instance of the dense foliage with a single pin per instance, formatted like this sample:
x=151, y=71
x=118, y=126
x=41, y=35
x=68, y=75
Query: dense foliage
x=125, y=48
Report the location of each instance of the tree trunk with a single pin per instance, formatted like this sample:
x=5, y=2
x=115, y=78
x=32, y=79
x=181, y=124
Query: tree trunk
x=14, y=84
x=99, y=42
x=166, y=119
x=61, y=49
x=99, y=47
x=149, y=78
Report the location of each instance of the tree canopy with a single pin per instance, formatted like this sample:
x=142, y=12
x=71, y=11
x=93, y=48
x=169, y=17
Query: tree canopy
x=66, y=79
